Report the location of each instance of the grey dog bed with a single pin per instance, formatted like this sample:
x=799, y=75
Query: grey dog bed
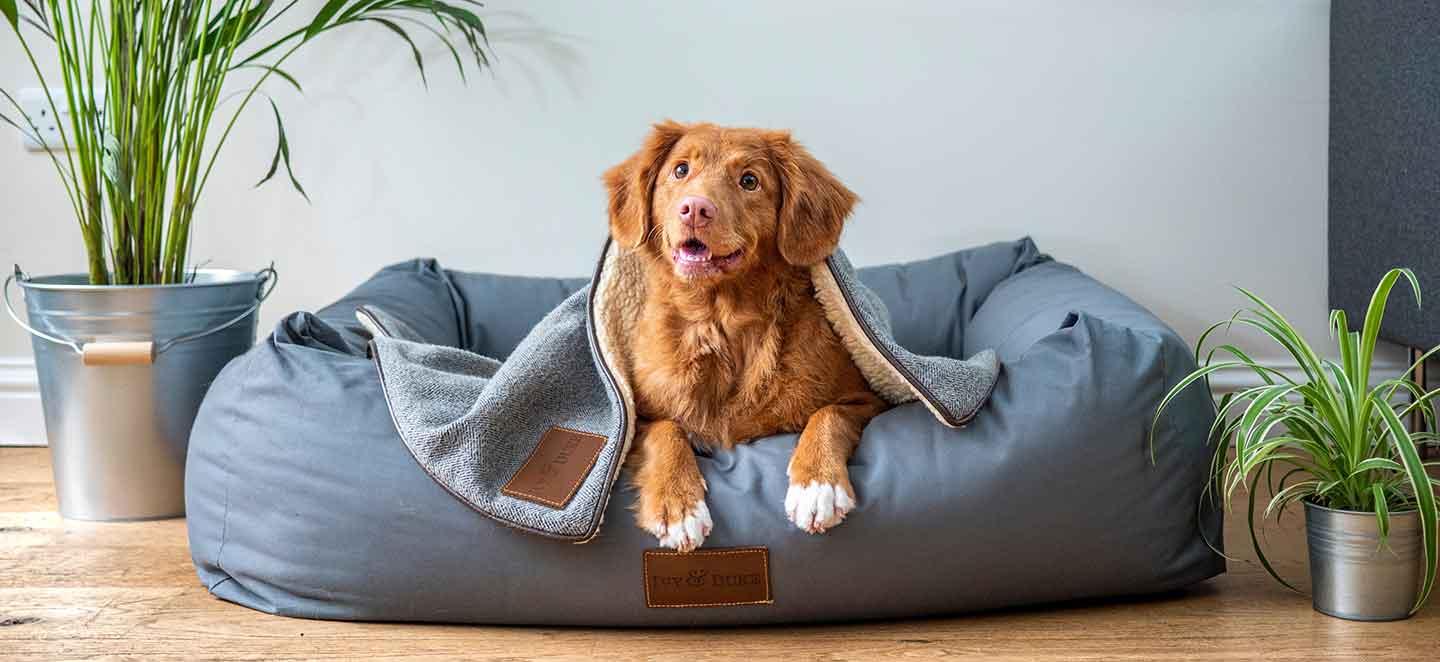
x=303, y=500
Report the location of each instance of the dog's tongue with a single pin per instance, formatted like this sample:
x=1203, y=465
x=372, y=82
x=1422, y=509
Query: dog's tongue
x=694, y=250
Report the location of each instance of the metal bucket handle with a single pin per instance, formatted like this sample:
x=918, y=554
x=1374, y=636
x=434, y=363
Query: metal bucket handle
x=136, y=352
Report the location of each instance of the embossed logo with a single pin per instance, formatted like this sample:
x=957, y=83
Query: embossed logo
x=720, y=577
x=556, y=468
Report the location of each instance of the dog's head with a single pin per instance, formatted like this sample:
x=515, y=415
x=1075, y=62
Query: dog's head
x=715, y=202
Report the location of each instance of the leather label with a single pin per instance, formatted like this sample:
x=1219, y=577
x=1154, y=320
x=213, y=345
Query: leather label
x=556, y=468
x=722, y=577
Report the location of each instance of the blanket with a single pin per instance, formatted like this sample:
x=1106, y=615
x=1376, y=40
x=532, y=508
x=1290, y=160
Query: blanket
x=537, y=441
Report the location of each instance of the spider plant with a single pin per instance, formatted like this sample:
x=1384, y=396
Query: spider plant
x=1327, y=435
x=144, y=81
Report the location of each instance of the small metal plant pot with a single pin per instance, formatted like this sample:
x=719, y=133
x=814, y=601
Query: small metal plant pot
x=1353, y=576
x=123, y=369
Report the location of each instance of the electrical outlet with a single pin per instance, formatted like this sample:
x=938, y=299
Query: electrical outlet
x=37, y=109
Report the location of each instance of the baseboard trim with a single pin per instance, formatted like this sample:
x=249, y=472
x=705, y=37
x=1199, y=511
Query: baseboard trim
x=1239, y=379
x=22, y=422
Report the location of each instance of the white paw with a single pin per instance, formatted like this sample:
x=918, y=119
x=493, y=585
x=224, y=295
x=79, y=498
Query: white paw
x=686, y=533
x=817, y=506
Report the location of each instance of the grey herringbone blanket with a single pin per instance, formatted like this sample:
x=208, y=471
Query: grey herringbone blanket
x=476, y=424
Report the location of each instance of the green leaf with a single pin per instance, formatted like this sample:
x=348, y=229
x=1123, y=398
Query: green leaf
x=1424, y=497
x=1303, y=355
x=277, y=71
x=1263, y=372
x=1307, y=357
x=226, y=28
x=1349, y=342
x=1250, y=429
x=1375, y=464
x=1382, y=512
x=7, y=120
x=11, y=12
x=1404, y=379
x=360, y=7
x=444, y=40
x=1375, y=314
x=39, y=27
x=1285, y=496
x=282, y=153
x=419, y=59
x=1255, y=538
x=322, y=18
x=1204, y=335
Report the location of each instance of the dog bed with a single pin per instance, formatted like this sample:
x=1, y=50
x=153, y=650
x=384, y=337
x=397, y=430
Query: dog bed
x=536, y=441
x=304, y=501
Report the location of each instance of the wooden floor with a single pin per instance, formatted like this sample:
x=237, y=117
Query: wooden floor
x=75, y=590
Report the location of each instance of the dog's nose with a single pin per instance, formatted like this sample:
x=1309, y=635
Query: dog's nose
x=696, y=211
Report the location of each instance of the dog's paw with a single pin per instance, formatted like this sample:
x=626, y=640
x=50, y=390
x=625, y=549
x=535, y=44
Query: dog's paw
x=816, y=506
x=682, y=529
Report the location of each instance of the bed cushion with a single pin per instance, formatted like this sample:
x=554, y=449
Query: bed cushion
x=302, y=500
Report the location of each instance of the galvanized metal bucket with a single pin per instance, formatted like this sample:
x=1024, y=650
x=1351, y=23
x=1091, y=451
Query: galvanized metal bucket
x=1352, y=575
x=122, y=372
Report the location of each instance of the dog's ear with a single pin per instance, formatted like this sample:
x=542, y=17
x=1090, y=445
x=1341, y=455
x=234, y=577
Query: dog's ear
x=813, y=203
x=632, y=184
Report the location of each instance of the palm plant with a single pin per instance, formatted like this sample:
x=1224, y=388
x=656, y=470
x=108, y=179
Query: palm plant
x=143, y=81
x=1328, y=436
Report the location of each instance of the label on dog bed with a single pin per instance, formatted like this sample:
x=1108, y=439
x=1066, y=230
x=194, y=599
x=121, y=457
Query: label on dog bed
x=557, y=466
x=723, y=577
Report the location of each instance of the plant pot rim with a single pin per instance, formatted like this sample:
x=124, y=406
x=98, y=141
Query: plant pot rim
x=80, y=282
x=1311, y=504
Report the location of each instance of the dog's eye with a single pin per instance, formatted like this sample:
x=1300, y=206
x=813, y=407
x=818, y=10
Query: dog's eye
x=749, y=182
x=681, y=169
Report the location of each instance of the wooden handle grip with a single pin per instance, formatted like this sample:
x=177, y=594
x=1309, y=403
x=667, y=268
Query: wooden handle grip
x=118, y=353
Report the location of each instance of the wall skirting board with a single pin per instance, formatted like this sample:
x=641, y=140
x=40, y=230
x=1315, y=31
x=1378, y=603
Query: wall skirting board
x=22, y=423
x=1231, y=381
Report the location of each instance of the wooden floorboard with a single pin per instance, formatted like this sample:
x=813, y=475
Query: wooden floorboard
x=78, y=590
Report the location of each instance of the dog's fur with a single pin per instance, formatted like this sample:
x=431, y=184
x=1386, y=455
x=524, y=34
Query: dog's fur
x=736, y=348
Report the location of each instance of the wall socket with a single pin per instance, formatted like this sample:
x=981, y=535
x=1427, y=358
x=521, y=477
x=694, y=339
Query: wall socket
x=37, y=109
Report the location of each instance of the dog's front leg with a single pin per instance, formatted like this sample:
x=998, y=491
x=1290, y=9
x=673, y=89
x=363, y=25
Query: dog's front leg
x=672, y=491
x=820, y=493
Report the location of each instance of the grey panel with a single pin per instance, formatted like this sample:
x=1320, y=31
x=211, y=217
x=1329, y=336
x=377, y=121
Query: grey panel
x=1385, y=159
x=303, y=501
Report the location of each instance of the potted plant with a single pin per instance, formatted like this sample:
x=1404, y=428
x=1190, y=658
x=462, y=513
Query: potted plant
x=1334, y=441
x=126, y=350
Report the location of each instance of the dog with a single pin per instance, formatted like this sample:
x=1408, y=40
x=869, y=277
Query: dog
x=732, y=343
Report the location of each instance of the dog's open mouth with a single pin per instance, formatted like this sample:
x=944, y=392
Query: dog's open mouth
x=693, y=258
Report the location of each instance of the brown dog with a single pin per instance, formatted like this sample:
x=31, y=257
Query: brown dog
x=732, y=343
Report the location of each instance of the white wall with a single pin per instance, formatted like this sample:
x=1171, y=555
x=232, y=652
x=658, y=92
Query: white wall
x=1169, y=148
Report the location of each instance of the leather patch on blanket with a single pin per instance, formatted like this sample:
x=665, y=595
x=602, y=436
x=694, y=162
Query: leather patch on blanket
x=556, y=468
x=721, y=577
